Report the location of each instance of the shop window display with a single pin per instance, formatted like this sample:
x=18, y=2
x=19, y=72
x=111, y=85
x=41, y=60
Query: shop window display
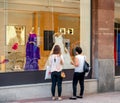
x=117, y=37
x=52, y=25
x=18, y=33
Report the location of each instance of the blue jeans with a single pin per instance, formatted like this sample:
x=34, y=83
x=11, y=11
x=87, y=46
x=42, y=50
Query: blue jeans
x=56, y=80
x=78, y=77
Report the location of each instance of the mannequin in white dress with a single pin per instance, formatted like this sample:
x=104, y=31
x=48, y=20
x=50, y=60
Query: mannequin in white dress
x=58, y=40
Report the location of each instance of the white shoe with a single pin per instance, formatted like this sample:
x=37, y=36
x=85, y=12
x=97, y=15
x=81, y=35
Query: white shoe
x=53, y=98
x=59, y=98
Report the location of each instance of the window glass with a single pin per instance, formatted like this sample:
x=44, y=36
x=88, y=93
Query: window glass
x=117, y=37
x=30, y=29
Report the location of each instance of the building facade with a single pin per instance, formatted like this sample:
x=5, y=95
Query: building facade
x=91, y=24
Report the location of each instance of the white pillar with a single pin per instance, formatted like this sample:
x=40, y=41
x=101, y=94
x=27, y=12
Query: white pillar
x=85, y=18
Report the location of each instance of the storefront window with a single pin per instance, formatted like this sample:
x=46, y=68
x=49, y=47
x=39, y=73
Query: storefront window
x=30, y=29
x=117, y=37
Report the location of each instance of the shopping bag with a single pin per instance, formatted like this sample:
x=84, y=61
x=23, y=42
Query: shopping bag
x=48, y=73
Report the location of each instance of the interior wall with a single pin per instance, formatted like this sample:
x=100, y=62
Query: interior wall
x=70, y=22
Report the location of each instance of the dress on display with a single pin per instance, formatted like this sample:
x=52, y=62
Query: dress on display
x=32, y=53
x=66, y=55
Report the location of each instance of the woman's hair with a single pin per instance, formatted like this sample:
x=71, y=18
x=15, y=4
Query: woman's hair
x=56, y=50
x=78, y=49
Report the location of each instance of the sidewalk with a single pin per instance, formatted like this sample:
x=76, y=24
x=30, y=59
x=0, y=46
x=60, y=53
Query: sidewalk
x=109, y=97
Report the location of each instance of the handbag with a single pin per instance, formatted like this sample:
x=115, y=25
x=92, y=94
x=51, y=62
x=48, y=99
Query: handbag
x=48, y=73
x=86, y=67
x=63, y=75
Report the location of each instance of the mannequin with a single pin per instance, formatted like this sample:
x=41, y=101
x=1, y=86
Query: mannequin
x=32, y=52
x=58, y=39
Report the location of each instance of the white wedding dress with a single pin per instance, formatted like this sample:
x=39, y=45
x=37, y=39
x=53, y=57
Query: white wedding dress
x=65, y=53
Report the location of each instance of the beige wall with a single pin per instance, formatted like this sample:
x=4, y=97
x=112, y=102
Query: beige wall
x=71, y=22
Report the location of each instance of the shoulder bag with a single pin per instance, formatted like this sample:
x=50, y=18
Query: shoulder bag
x=86, y=67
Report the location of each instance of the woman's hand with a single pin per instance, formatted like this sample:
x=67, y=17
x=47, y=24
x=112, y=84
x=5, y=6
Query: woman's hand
x=72, y=62
x=61, y=62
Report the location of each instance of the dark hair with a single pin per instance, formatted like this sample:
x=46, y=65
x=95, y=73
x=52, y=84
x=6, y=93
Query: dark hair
x=78, y=49
x=56, y=50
